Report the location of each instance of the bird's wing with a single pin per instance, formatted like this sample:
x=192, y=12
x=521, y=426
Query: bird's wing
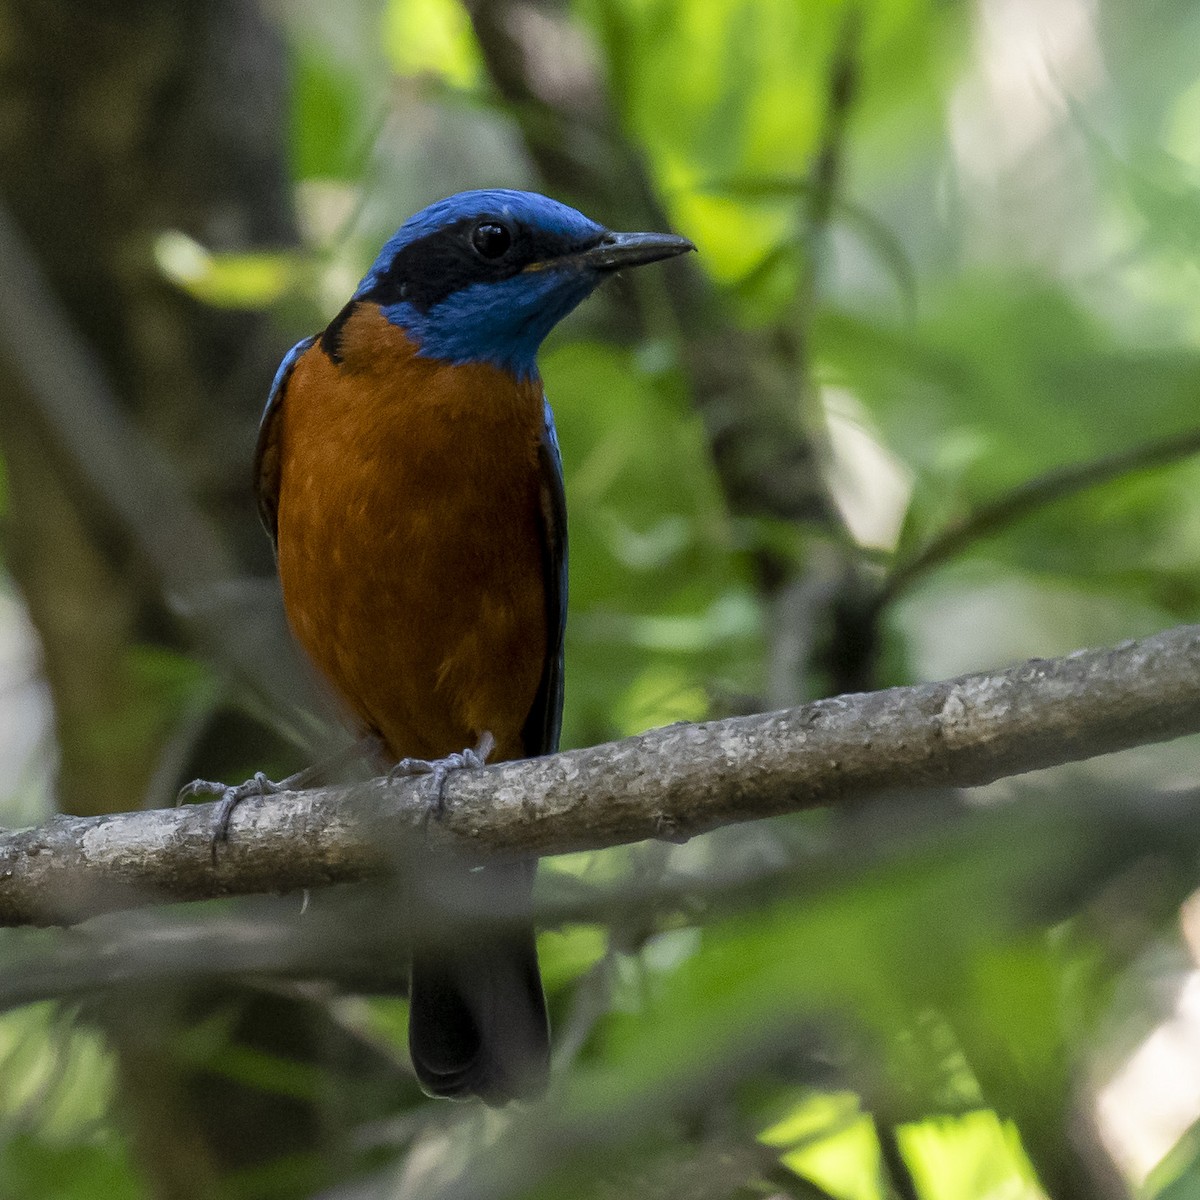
x=544, y=723
x=266, y=453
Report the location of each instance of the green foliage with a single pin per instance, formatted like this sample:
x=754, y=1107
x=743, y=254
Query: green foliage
x=328, y=116
x=432, y=38
x=227, y=280
x=663, y=615
x=56, y=1081
x=82, y=1172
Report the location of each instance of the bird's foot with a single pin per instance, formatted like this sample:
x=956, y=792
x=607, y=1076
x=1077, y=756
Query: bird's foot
x=231, y=795
x=470, y=759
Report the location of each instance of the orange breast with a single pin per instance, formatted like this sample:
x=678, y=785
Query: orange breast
x=410, y=538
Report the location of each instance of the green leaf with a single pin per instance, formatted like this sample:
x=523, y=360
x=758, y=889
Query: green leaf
x=35, y=1170
x=251, y=281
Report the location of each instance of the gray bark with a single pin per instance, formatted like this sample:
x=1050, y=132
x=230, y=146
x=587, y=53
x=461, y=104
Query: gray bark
x=668, y=783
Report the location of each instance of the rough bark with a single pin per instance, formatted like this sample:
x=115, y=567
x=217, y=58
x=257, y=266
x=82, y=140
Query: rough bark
x=669, y=783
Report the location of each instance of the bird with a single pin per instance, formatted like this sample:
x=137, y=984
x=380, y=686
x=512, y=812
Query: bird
x=409, y=475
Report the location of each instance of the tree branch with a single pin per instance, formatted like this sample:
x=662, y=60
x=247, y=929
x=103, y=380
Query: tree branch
x=995, y=515
x=668, y=783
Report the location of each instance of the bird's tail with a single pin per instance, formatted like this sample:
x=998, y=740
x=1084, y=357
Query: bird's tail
x=477, y=1015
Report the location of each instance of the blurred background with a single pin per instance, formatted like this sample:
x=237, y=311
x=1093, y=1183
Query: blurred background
x=923, y=404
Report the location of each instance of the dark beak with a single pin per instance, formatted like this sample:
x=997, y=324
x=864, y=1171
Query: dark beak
x=617, y=250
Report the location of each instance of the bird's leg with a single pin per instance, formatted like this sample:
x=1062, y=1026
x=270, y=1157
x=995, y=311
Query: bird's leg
x=233, y=794
x=472, y=758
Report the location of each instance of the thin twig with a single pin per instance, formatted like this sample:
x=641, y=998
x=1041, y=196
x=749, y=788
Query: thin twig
x=1027, y=498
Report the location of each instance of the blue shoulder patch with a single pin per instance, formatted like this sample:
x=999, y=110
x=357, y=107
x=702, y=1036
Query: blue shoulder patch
x=266, y=452
x=551, y=435
x=284, y=370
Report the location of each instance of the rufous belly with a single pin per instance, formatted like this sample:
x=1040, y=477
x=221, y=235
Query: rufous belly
x=410, y=539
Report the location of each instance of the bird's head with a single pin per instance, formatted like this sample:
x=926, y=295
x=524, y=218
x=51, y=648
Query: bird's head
x=483, y=276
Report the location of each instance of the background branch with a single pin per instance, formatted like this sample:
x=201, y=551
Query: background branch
x=668, y=783
x=994, y=516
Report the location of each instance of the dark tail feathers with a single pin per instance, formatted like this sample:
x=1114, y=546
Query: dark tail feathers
x=477, y=1015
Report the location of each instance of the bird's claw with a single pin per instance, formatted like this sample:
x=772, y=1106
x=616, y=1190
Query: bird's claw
x=200, y=787
x=470, y=759
x=231, y=795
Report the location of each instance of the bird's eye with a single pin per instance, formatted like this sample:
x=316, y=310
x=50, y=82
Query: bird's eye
x=490, y=239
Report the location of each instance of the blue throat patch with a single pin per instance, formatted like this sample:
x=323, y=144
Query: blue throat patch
x=499, y=323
